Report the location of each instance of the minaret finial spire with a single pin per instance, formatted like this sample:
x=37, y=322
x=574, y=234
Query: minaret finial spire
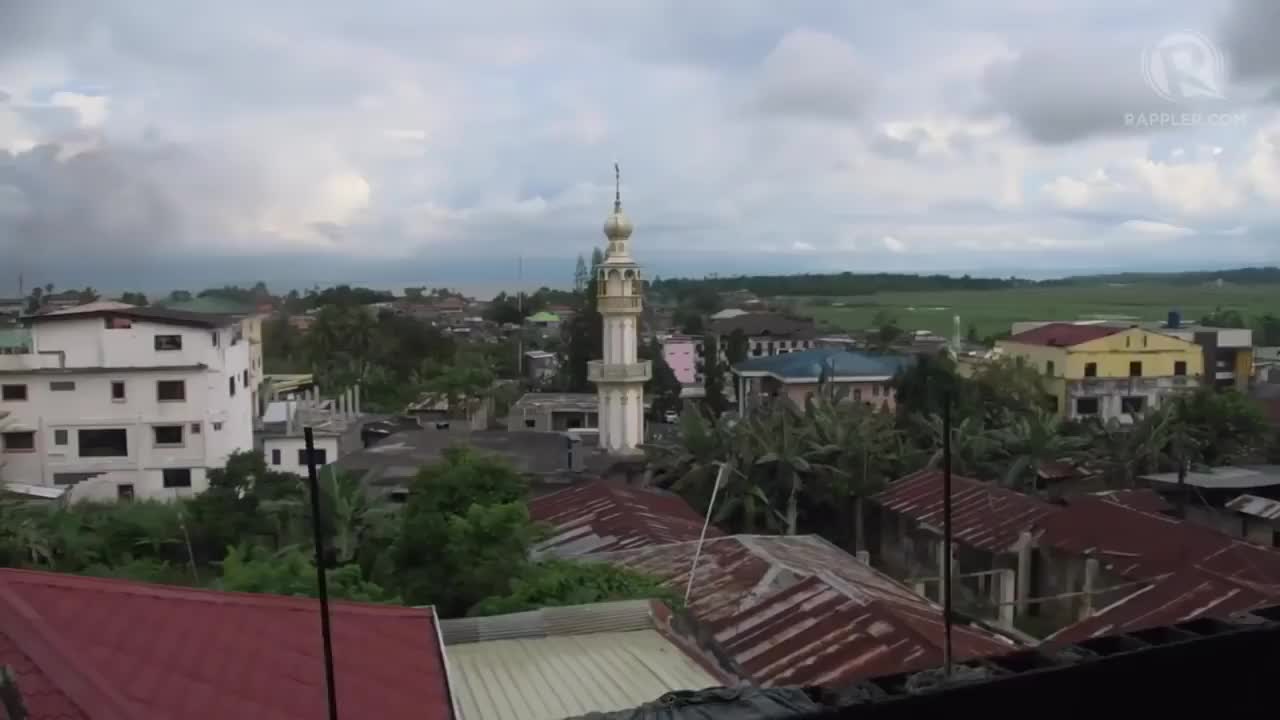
x=617, y=188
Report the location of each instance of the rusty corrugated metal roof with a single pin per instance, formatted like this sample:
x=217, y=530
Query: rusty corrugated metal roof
x=603, y=516
x=1177, y=597
x=1140, y=544
x=983, y=515
x=1260, y=507
x=1061, y=334
x=797, y=610
x=1144, y=499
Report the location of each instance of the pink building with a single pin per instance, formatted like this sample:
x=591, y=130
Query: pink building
x=681, y=354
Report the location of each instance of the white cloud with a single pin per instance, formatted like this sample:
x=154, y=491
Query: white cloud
x=813, y=73
x=802, y=246
x=1152, y=227
x=1188, y=187
x=893, y=244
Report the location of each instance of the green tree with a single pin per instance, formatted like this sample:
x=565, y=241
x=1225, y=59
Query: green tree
x=179, y=296
x=1223, y=318
x=291, y=571
x=663, y=387
x=562, y=582
x=465, y=532
x=1266, y=328
x=1226, y=424
x=713, y=376
x=1027, y=443
x=134, y=298
x=737, y=346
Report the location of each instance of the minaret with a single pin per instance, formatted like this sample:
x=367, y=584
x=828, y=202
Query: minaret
x=619, y=377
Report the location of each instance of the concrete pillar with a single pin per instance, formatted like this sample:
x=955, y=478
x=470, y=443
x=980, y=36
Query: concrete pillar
x=1007, y=589
x=355, y=398
x=1091, y=569
x=1023, y=587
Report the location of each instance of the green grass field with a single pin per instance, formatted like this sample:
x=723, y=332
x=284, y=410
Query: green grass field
x=993, y=311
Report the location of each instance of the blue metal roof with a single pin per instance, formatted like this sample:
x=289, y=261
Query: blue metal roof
x=839, y=363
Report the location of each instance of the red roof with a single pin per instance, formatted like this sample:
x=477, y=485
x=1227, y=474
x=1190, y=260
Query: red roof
x=96, y=649
x=797, y=610
x=1144, y=499
x=1140, y=544
x=1180, y=596
x=983, y=515
x=1063, y=334
x=605, y=515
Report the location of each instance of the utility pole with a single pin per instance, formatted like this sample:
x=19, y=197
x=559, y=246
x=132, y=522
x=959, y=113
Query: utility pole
x=946, y=534
x=520, y=306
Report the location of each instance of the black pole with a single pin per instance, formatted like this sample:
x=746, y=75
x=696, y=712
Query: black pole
x=946, y=533
x=314, y=483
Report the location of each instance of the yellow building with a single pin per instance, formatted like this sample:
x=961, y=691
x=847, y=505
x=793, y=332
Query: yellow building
x=1105, y=371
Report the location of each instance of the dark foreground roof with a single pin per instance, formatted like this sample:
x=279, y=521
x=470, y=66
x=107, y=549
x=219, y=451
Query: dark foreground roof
x=149, y=313
x=98, y=649
x=605, y=515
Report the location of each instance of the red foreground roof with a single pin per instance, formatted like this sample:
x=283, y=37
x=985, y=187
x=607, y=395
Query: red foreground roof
x=96, y=649
x=797, y=610
x=604, y=516
x=1177, y=597
x=1063, y=334
x=983, y=515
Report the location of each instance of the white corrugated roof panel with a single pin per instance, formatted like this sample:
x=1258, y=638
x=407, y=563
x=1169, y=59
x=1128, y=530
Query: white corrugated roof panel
x=548, y=678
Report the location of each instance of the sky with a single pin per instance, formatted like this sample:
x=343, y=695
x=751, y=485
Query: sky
x=171, y=144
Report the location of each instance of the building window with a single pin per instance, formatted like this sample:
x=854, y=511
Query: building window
x=875, y=391
x=13, y=393
x=246, y=378
x=117, y=323
x=1180, y=367
x=231, y=385
x=71, y=478
x=217, y=426
x=117, y=390
x=19, y=441
x=1087, y=406
x=857, y=394
x=275, y=456
x=168, y=342
x=1048, y=368
x=214, y=335
x=1135, y=368
x=1132, y=405
x=319, y=454
x=60, y=437
x=177, y=477
x=195, y=428
x=1091, y=369
x=530, y=422
x=1127, y=341
x=171, y=390
x=108, y=442
x=167, y=435
x=1144, y=341
x=124, y=493
x=62, y=386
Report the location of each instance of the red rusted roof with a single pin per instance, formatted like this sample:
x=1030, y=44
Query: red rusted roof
x=797, y=610
x=983, y=515
x=1063, y=334
x=97, y=649
x=1177, y=597
x=1144, y=545
x=602, y=516
x=1144, y=499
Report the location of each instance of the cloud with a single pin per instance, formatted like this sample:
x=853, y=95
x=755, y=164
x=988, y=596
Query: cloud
x=1248, y=34
x=811, y=73
x=1152, y=227
x=893, y=244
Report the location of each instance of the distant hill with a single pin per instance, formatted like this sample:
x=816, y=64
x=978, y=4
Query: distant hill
x=847, y=284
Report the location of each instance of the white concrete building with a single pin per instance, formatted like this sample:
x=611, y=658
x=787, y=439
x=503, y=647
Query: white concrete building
x=125, y=401
x=619, y=377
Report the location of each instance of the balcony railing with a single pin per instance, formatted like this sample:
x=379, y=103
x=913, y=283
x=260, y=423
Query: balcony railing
x=598, y=371
x=619, y=303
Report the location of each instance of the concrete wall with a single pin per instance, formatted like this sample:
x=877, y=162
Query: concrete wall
x=214, y=422
x=876, y=393
x=682, y=356
x=289, y=447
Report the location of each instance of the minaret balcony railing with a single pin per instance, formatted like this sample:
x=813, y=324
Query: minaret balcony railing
x=599, y=371
x=618, y=303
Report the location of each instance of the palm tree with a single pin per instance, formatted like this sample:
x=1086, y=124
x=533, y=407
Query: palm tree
x=786, y=453
x=1030, y=441
x=973, y=446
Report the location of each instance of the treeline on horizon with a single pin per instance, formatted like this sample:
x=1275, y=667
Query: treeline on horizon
x=848, y=283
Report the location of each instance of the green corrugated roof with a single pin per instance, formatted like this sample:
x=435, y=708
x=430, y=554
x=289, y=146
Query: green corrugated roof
x=544, y=316
x=209, y=305
x=15, y=338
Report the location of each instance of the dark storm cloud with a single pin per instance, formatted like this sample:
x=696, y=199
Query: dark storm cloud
x=1251, y=39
